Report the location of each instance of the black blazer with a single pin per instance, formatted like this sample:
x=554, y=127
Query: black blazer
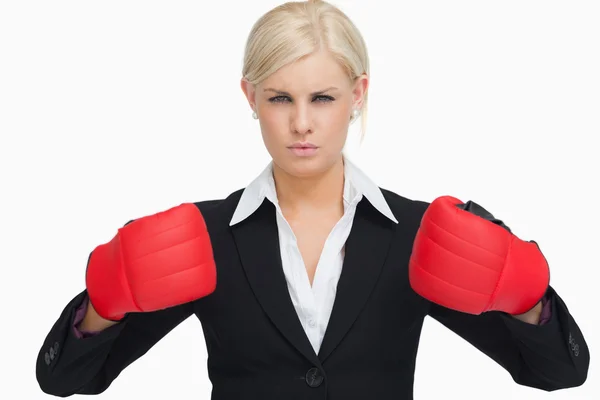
x=257, y=348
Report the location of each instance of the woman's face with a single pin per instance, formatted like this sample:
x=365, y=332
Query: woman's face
x=304, y=111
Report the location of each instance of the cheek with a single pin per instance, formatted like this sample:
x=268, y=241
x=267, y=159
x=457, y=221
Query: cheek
x=273, y=126
x=334, y=118
x=270, y=118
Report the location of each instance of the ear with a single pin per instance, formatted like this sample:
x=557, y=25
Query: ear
x=250, y=92
x=361, y=86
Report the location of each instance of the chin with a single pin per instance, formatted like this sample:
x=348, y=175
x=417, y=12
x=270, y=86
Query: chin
x=304, y=167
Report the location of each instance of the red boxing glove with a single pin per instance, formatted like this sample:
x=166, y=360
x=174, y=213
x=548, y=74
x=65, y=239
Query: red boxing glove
x=466, y=260
x=152, y=263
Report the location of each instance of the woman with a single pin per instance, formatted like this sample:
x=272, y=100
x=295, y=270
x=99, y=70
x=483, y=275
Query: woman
x=312, y=282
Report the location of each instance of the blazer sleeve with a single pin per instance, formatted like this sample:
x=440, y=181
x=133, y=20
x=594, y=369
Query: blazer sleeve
x=67, y=364
x=549, y=357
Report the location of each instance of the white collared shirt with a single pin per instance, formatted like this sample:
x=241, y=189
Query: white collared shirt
x=314, y=303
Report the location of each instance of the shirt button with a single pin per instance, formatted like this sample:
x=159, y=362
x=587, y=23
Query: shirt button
x=312, y=323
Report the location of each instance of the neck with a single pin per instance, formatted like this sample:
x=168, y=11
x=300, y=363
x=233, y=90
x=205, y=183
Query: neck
x=314, y=194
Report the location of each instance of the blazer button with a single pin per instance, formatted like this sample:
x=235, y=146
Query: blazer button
x=576, y=350
x=47, y=358
x=574, y=345
x=314, y=378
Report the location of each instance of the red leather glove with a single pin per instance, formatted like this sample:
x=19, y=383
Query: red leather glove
x=465, y=259
x=152, y=263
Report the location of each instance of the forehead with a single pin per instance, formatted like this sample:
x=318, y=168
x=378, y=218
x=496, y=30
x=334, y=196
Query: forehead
x=314, y=72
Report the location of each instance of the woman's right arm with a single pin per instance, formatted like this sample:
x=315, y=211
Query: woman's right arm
x=69, y=364
x=90, y=321
x=142, y=284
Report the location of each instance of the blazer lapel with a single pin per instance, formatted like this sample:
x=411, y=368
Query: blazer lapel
x=257, y=241
x=365, y=253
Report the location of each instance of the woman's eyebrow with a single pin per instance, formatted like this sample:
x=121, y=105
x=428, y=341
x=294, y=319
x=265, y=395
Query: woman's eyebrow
x=284, y=93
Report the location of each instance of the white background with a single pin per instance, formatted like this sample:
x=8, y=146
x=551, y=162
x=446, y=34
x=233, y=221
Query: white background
x=117, y=109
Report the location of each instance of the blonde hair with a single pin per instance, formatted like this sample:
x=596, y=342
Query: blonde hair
x=299, y=28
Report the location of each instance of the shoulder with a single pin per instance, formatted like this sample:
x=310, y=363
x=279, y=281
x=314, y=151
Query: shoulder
x=405, y=209
x=218, y=212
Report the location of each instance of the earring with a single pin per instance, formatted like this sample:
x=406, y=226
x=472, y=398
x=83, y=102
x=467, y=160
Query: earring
x=254, y=115
x=354, y=115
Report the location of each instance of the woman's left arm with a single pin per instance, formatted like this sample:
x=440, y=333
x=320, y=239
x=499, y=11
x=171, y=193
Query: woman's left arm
x=535, y=316
x=485, y=284
x=550, y=355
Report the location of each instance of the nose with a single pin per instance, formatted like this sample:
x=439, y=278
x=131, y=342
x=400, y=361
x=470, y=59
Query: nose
x=301, y=121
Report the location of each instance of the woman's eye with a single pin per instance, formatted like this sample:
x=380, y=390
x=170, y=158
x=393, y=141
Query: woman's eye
x=324, y=98
x=279, y=99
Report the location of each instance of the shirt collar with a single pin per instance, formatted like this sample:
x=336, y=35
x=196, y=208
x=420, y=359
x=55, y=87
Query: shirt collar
x=356, y=185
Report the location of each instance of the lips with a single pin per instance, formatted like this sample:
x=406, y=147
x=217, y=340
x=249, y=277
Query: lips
x=303, y=149
x=304, y=145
